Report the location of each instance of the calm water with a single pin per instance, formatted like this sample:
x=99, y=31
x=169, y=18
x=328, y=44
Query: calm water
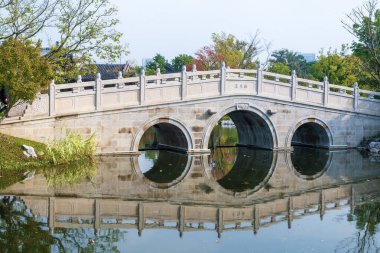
x=232, y=200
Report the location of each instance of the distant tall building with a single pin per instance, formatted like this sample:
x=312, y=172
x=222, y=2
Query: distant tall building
x=309, y=57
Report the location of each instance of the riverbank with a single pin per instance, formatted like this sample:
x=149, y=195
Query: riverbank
x=68, y=160
x=14, y=164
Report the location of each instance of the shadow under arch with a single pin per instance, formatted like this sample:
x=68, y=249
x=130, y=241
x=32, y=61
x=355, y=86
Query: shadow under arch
x=254, y=127
x=310, y=132
x=173, y=135
x=309, y=163
x=250, y=171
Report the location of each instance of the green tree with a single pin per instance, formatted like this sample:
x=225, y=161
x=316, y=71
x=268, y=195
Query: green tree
x=181, y=60
x=280, y=68
x=339, y=67
x=23, y=71
x=234, y=52
x=292, y=60
x=237, y=53
x=86, y=30
x=158, y=62
x=364, y=24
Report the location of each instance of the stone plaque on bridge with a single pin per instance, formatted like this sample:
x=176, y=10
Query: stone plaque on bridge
x=242, y=106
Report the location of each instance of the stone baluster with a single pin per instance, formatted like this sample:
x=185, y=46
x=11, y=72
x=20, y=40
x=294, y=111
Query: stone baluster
x=183, y=83
x=294, y=85
x=79, y=80
x=142, y=86
x=98, y=92
x=51, y=214
x=97, y=220
x=158, y=74
x=290, y=212
x=322, y=207
x=141, y=219
x=356, y=96
x=181, y=220
x=220, y=223
x=259, y=82
x=326, y=90
x=256, y=219
x=194, y=69
x=222, y=87
x=121, y=84
x=52, y=94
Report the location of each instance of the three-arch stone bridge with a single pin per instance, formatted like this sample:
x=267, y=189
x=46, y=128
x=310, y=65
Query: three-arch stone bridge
x=270, y=111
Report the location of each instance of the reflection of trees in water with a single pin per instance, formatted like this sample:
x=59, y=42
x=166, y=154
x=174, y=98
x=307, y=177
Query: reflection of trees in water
x=19, y=230
x=70, y=174
x=167, y=166
x=85, y=240
x=367, y=218
x=222, y=161
x=240, y=169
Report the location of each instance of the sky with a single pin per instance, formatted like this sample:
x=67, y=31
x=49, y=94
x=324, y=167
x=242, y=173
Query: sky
x=172, y=27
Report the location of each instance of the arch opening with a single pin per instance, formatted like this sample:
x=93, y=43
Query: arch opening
x=164, y=136
x=241, y=156
x=312, y=135
x=241, y=128
x=163, y=160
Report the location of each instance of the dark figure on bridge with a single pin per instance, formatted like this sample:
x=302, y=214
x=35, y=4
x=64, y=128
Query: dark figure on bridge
x=4, y=98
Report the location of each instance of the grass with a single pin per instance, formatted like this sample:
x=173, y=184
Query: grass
x=66, y=161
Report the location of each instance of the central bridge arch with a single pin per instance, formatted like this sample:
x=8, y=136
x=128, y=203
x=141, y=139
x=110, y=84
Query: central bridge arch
x=254, y=127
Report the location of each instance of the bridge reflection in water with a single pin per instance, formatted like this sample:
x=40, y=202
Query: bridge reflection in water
x=232, y=189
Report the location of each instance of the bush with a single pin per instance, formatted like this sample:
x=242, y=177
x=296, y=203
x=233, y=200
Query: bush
x=72, y=148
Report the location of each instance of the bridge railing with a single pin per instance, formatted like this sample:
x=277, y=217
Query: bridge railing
x=193, y=85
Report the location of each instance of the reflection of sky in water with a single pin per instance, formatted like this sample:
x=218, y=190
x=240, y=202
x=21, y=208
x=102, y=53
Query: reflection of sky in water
x=146, y=163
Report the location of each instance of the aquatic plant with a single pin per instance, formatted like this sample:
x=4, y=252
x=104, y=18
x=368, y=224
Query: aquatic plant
x=72, y=148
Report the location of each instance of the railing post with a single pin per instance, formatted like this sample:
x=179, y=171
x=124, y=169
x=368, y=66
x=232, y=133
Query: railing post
x=220, y=224
x=222, y=87
x=52, y=98
x=51, y=214
x=141, y=219
x=183, y=83
x=294, y=85
x=96, y=216
x=259, y=83
x=356, y=96
x=158, y=74
x=326, y=90
x=142, y=86
x=290, y=212
x=181, y=220
x=98, y=90
x=120, y=85
x=194, y=69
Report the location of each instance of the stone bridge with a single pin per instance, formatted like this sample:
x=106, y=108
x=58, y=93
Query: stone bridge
x=270, y=111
